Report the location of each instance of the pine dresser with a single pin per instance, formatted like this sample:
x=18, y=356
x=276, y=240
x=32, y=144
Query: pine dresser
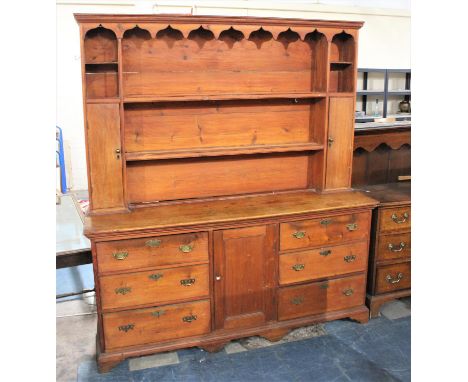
x=219, y=154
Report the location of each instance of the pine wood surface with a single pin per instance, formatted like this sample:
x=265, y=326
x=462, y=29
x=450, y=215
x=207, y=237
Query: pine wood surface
x=224, y=211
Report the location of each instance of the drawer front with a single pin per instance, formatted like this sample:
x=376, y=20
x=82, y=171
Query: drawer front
x=395, y=246
x=321, y=297
x=323, y=262
x=154, y=287
x=393, y=219
x=152, y=251
x=162, y=323
x=393, y=277
x=324, y=231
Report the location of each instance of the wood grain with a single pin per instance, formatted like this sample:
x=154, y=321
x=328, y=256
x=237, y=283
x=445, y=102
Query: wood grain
x=103, y=125
x=152, y=251
x=322, y=232
x=397, y=218
x=244, y=262
x=339, y=153
x=322, y=262
x=387, y=277
x=170, y=180
x=154, y=287
x=169, y=126
x=156, y=324
x=320, y=297
x=400, y=246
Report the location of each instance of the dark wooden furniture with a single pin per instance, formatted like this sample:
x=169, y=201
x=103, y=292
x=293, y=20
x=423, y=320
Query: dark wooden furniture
x=390, y=257
x=219, y=157
x=381, y=154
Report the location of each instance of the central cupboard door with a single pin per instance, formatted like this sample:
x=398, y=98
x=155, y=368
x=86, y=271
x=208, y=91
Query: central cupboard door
x=244, y=269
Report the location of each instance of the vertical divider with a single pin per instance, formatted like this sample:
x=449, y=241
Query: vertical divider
x=122, y=119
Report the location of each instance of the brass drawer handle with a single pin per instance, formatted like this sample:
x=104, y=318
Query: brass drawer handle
x=155, y=276
x=324, y=285
x=187, y=282
x=186, y=248
x=123, y=290
x=325, y=253
x=400, y=220
x=153, y=243
x=325, y=222
x=189, y=319
x=394, y=248
x=395, y=280
x=348, y=292
x=158, y=313
x=352, y=227
x=349, y=258
x=297, y=300
x=126, y=328
x=299, y=234
x=120, y=255
x=298, y=267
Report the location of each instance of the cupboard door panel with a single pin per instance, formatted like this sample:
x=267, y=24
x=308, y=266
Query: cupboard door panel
x=105, y=171
x=340, y=147
x=244, y=276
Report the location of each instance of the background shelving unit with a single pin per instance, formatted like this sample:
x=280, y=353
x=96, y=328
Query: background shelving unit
x=387, y=94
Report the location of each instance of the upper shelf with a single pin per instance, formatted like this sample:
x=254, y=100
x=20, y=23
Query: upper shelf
x=221, y=97
x=221, y=151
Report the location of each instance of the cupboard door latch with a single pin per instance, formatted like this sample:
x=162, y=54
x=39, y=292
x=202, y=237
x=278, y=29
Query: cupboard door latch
x=117, y=152
x=330, y=141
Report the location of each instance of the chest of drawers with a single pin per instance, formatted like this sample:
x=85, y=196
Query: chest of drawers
x=163, y=283
x=390, y=255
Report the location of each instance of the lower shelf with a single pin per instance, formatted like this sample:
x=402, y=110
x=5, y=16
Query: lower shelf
x=216, y=340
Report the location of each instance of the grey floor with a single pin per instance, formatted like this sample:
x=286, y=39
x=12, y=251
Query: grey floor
x=339, y=351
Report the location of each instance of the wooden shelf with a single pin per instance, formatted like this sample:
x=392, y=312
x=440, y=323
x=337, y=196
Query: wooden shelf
x=103, y=100
x=370, y=92
x=221, y=151
x=102, y=63
x=221, y=97
x=341, y=63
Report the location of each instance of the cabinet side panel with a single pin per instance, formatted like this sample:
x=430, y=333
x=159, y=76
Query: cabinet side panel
x=105, y=166
x=340, y=150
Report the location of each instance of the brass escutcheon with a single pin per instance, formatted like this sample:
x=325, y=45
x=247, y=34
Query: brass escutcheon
x=186, y=248
x=397, y=247
x=123, y=290
x=298, y=267
x=325, y=221
x=352, y=227
x=324, y=285
x=325, y=252
x=187, y=282
x=395, y=280
x=299, y=234
x=348, y=292
x=297, y=300
x=155, y=276
x=126, y=328
x=153, y=243
x=400, y=220
x=190, y=318
x=158, y=313
x=120, y=255
x=349, y=258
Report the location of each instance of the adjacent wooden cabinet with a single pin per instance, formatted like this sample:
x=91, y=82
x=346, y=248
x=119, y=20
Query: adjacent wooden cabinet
x=219, y=155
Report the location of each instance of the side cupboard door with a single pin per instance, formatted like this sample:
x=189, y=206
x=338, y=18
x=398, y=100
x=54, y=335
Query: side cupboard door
x=244, y=276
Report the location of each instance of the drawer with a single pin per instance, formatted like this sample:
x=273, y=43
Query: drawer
x=324, y=231
x=323, y=262
x=391, y=219
x=162, y=323
x=321, y=297
x=152, y=251
x=394, y=246
x=393, y=277
x=154, y=287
